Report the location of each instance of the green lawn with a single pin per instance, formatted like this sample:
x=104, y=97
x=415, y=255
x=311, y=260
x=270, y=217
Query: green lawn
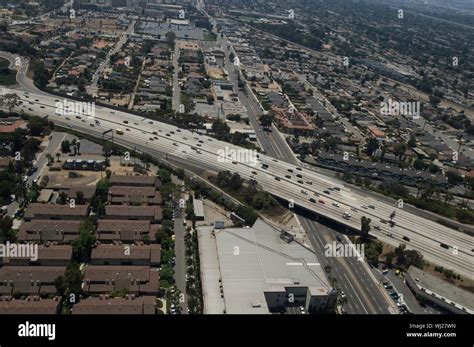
x=209, y=36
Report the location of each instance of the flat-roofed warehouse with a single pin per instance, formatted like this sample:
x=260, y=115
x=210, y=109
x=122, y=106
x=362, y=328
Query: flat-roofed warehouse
x=260, y=272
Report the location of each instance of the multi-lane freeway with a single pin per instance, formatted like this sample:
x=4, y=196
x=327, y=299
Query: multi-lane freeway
x=296, y=184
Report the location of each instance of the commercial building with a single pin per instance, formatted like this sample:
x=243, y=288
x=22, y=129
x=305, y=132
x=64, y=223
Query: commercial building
x=438, y=292
x=259, y=273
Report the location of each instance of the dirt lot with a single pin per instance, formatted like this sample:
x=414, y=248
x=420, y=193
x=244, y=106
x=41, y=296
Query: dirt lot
x=464, y=283
x=117, y=166
x=60, y=178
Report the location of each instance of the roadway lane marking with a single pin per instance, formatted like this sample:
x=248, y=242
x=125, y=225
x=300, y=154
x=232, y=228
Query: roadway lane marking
x=299, y=264
x=355, y=292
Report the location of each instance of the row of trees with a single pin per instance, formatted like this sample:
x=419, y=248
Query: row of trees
x=248, y=192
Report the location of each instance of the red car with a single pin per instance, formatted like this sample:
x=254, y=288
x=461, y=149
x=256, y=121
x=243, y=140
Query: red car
x=321, y=201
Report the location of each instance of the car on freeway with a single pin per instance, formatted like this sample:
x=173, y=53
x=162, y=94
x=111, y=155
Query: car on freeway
x=336, y=204
x=321, y=201
x=327, y=192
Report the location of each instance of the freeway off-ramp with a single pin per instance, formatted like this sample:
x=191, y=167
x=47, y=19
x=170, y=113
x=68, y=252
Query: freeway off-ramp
x=151, y=136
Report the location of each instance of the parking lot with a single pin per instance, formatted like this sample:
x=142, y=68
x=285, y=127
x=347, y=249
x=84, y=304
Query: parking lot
x=394, y=284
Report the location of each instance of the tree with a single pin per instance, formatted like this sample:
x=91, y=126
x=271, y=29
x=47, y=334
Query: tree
x=170, y=38
x=60, y=285
x=365, y=226
x=266, y=120
x=65, y=146
x=50, y=158
x=73, y=279
x=36, y=126
x=448, y=197
x=82, y=247
x=372, y=146
x=412, y=142
x=220, y=129
x=6, y=232
x=167, y=213
x=62, y=198
x=80, y=198
x=400, y=149
x=165, y=176
x=454, y=178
